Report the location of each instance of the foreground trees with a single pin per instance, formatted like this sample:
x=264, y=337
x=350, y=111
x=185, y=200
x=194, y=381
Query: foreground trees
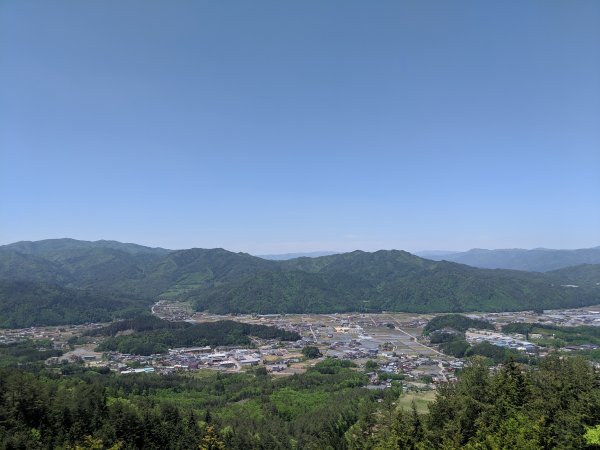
x=554, y=405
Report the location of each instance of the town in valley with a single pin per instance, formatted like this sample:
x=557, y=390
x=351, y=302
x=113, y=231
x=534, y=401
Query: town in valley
x=391, y=342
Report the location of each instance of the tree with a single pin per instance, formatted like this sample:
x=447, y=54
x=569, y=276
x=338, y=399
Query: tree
x=91, y=443
x=360, y=435
x=592, y=435
x=211, y=440
x=311, y=352
x=371, y=365
x=408, y=429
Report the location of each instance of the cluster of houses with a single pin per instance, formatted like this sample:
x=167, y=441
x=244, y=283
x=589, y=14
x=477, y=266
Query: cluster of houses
x=167, y=310
x=58, y=335
x=352, y=349
x=414, y=370
x=272, y=355
x=562, y=317
x=184, y=359
x=501, y=340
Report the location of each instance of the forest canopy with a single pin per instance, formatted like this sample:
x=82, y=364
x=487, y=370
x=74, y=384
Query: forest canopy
x=554, y=405
x=152, y=335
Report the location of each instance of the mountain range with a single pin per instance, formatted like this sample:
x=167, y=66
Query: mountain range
x=112, y=279
x=535, y=260
x=286, y=256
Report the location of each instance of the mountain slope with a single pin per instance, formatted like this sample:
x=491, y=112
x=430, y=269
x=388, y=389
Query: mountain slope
x=26, y=303
x=185, y=270
x=583, y=275
x=536, y=260
x=222, y=281
x=18, y=266
x=52, y=248
x=388, y=280
x=88, y=268
x=284, y=292
x=127, y=268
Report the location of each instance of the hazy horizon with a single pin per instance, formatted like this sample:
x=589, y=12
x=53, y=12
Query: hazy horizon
x=313, y=252
x=275, y=128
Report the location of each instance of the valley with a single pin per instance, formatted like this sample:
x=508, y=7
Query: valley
x=394, y=343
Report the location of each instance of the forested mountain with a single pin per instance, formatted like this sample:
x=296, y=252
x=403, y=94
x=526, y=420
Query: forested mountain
x=57, y=248
x=226, y=282
x=284, y=292
x=127, y=268
x=185, y=270
x=20, y=266
x=94, y=268
x=389, y=280
x=536, y=260
x=584, y=274
x=29, y=303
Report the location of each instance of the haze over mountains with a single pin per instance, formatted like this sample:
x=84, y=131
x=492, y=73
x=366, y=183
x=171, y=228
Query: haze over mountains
x=532, y=260
x=65, y=280
x=536, y=260
x=285, y=256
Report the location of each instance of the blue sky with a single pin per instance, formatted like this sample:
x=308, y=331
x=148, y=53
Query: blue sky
x=273, y=127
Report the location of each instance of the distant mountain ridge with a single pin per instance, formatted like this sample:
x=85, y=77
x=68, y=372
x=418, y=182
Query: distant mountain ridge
x=534, y=260
x=434, y=254
x=51, y=247
x=286, y=256
x=131, y=277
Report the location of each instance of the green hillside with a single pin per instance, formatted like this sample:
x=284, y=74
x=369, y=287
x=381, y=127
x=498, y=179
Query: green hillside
x=25, y=303
x=586, y=275
x=18, y=266
x=285, y=292
x=101, y=265
x=388, y=280
x=185, y=270
x=221, y=281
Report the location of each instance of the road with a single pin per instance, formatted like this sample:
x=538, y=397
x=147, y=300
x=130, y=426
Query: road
x=414, y=337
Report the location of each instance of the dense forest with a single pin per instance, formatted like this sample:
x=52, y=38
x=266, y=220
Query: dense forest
x=387, y=280
x=47, y=282
x=456, y=322
x=551, y=406
x=581, y=275
x=89, y=409
x=554, y=405
x=24, y=352
x=26, y=303
x=151, y=335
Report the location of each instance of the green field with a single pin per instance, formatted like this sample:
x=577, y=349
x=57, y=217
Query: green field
x=421, y=399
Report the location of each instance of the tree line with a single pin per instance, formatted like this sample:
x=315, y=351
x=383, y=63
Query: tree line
x=152, y=335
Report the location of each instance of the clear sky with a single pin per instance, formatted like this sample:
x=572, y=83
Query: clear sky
x=276, y=126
